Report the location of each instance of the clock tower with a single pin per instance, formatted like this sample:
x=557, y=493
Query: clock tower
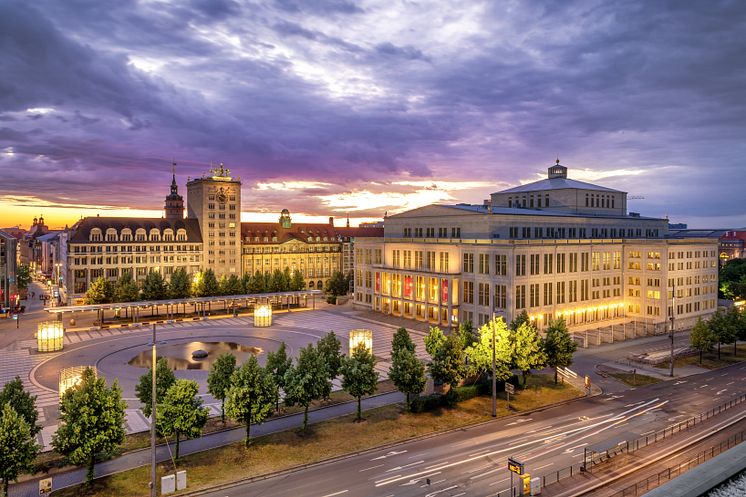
x=215, y=201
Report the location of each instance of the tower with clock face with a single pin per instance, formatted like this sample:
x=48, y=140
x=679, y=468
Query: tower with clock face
x=215, y=201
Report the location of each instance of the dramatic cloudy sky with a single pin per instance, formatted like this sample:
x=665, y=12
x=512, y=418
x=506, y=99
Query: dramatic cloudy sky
x=329, y=107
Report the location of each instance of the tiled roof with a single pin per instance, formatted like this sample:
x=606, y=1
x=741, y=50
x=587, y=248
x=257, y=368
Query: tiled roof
x=82, y=229
x=557, y=184
x=297, y=231
x=358, y=232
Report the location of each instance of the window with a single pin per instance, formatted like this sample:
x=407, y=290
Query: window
x=548, y=293
x=443, y=262
x=468, y=292
x=560, y=263
x=484, y=294
x=534, y=267
x=520, y=266
x=468, y=266
x=560, y=292
x=501, y=264
x=484, y=264
x=573, y=263
x=534, y=295
x=548, y=263
x=501, y=296
x=520, y=296
x=584, y=261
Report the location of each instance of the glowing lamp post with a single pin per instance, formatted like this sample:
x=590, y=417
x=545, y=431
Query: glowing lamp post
x=263, y=316
x=72, y=376
x=361, y=336
x=49, y=336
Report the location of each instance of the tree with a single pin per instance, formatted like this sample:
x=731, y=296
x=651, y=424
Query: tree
x=337, y=285
x=219, y=379
x=180, y=411
x=723, y=328
x=230, y=285
x=126, y=289
x=741, y=325
x=434, y=340
x=179, y=286
x=164, y=378
x=287, y=280
x=330, y=349
x=251, y=396
x=91, y=421
x=702, y=338
x=407, y=373
x=258, y=283
x=246, y=283
x=205, y=284
x=307, y=381
x=278, y=364
x=733, y=279
x=466, y=333
x=528, y=352
x=401, y=340
x=154, y=287
x=447, y=364
x=359, y=376
x=23, y=276
x=519, y=320
x=18, y=448
x=297, y=282
x=480, y=353
x=22, y=402
x=558, y=345
x=101, y=291
x=277, y=281
x=734, y=324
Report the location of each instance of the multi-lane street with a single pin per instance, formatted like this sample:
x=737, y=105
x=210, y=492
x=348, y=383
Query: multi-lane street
x=474, y=461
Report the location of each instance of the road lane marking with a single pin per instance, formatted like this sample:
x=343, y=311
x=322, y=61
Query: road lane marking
x=336, y=493
x=433, y=494
x=721, y=391
x=405, y=466
x=619, y=417
x=498, y=482
x=480, y=475
x=372, y=467
x=546, y=465
x=392, y=453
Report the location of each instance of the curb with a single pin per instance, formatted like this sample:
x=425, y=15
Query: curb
x=296, y=469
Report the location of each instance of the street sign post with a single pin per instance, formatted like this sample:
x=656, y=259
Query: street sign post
x=509, y=388
x=45, y=486
x=514, y=465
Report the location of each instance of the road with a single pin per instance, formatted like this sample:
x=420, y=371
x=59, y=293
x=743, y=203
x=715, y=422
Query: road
x=473, y=461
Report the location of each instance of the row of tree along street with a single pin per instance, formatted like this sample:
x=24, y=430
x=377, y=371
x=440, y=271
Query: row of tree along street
x=92, y=415
x=723, y=328
x=202, y=284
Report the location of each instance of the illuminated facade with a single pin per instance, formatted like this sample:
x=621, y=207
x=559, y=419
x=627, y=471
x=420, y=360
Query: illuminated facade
x=556, y=247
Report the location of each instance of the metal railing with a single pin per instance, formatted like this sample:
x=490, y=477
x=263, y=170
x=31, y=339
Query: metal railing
x=672, y=472
x=630, y=446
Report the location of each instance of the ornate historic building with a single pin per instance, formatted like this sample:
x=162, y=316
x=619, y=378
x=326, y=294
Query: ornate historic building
x=555, y=247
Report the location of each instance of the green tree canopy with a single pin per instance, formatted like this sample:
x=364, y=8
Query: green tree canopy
x=558, y=345
x=91, y=421
x=359, y=376
x=447, y=365
x=246, y=283
x=219, y=379
x=251, y=396
x=519, y=320
x=22, y=402
x=723, y=327
x=154, y=287
x=528, y=351
x=307, y=381
x=278, y=364
x=733, y=279
x=230, y=285
x=126, y=289
x=257, y=284
x=277, y=281
x=466, y=333
x=179, y=286
x=406, y=372
x=702, y=338
x=330, y=349
x=164, y=378
x=297, y=282
x=18, y=448
x=434, y=340
x=101, y=291
x=180, y=411
x=23, y=276
x=205, y=284
x=480, y=353
x=337, y=285
x=401, y=340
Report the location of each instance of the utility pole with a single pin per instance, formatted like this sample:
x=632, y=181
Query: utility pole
x=673, y=311
x=494, y=369
x=152, y=422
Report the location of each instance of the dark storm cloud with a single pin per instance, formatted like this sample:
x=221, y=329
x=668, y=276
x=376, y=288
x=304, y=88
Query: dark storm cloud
x=346, y=93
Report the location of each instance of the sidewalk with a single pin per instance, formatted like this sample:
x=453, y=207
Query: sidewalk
x=139, y=458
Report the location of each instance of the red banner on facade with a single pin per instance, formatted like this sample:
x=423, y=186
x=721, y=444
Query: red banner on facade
x=444, y=291
x=378, y=282
x=408, y=287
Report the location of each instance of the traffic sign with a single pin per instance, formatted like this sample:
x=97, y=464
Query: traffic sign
x=510, y=388
x=515, y=466
x=45, y=486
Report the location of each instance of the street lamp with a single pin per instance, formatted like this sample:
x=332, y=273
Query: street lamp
x=673, y=311
x=494, y=369
x=361, y=336
x=152, y=420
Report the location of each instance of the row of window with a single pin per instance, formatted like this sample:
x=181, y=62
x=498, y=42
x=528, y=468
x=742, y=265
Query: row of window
x=423, y=260
x=83, y=249
x=430, y=232
x=294, y=248
x=528, y=232
x=140, y=235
